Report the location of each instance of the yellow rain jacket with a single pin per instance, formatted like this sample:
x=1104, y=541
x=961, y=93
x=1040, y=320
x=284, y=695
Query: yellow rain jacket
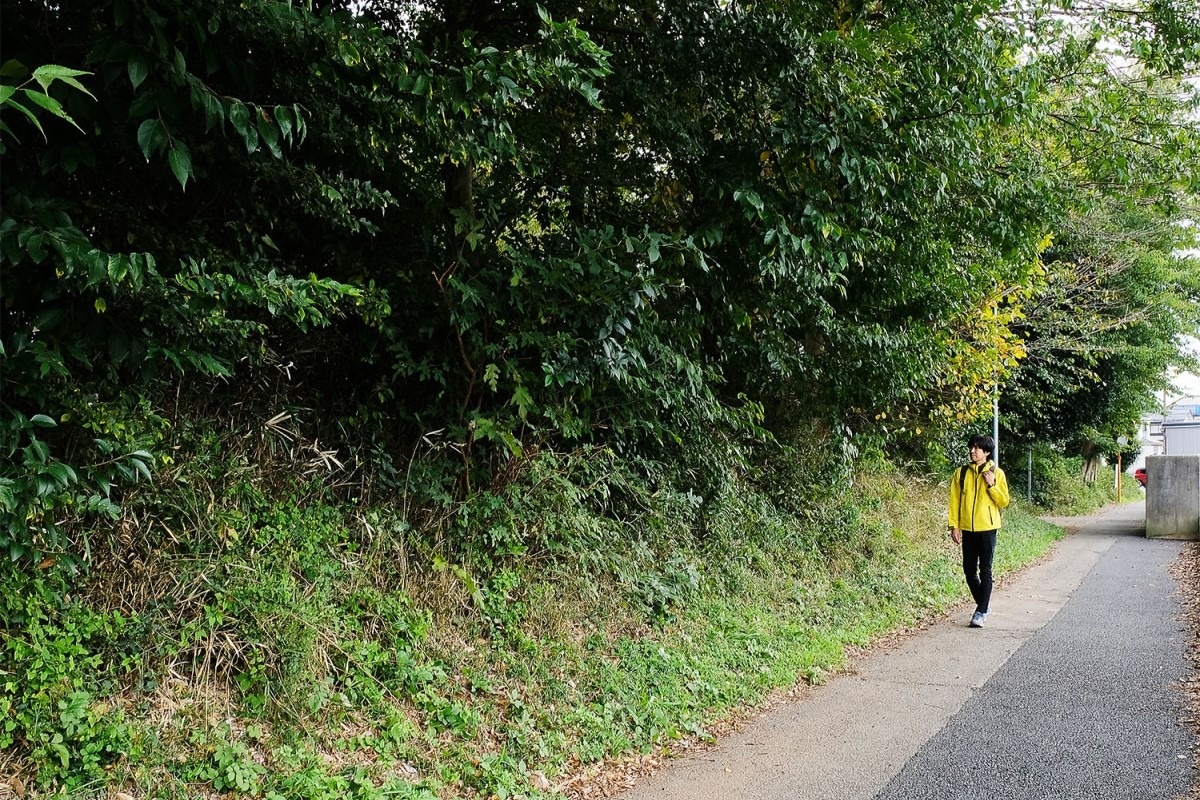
x=973, y=506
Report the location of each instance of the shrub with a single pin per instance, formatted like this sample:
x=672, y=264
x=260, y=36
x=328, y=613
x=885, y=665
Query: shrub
x=58, y=659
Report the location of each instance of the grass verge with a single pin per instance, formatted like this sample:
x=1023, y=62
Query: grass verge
x=324, y=653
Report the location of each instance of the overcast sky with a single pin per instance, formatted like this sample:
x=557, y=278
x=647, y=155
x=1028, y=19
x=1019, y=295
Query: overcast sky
x=1187, y=383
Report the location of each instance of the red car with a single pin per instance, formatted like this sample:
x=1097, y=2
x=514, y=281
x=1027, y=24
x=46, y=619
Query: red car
x=1140, y=475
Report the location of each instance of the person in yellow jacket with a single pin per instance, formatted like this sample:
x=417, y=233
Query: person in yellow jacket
x=978, y=491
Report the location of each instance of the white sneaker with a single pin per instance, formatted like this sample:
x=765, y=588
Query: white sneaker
x=977, y=619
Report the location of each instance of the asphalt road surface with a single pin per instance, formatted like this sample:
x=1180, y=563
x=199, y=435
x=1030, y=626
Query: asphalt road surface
x=1070, y=691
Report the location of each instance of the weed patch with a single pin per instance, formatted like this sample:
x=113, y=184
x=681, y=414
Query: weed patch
x=317, y=651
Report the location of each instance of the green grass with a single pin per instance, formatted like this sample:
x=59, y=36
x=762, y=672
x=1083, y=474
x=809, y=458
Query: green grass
x=313, y=658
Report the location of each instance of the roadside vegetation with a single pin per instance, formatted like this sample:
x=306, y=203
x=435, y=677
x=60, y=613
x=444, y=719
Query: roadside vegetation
x=437, y=399
x=338, y=653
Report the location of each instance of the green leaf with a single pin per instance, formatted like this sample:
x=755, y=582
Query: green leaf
x=137, y=70
x=301, y=125
x=32, y=117
x=151, y=136
x=62, y=473
x=513, y=444
x=49, y=73
x=37, y=453
x=349, y=53
x=239, y=115
x=180, y=160
x=270, y=136
x=13, y=69
x=43, y=421
x=283, y=116
x=523, y=401
x=50, y=104
x=118, y=267
x=214, y=112
x=45, y=101
x=35, y=246
x=141, y=467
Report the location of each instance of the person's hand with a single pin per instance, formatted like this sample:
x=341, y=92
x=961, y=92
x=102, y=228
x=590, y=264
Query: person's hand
x=989, y=478
x=956, y=535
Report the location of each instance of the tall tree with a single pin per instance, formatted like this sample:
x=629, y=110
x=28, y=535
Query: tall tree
x=1105, y=323
x=651, y=226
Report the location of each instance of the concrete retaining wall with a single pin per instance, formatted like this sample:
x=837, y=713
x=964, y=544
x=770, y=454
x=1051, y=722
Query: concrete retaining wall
x=1173, y=497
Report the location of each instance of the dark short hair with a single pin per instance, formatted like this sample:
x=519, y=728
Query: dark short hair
x=985, y=443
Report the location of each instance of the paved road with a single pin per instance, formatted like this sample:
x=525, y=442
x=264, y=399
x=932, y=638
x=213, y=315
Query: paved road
x=1069, y=692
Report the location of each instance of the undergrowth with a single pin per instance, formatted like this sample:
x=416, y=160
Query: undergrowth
x=1058, y=487
x=279, y=640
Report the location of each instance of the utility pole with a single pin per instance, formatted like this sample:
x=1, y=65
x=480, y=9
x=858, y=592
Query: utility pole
x=1121, y=442
x=996, y=426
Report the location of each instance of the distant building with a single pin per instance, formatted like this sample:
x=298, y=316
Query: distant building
x=1181, y=428
x=1150, y=434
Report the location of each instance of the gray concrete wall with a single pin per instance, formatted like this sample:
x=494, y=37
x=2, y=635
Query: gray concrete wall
x=1173, y=497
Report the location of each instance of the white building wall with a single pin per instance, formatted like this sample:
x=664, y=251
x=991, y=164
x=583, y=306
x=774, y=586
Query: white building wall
x=1181, y=439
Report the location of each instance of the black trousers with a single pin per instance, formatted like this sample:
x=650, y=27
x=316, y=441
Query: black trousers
x=978, y=549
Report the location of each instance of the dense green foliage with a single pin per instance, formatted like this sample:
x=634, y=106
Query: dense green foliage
x=543, y=227
x=327, y=289
x=1058, y=482
x=1120, y=288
